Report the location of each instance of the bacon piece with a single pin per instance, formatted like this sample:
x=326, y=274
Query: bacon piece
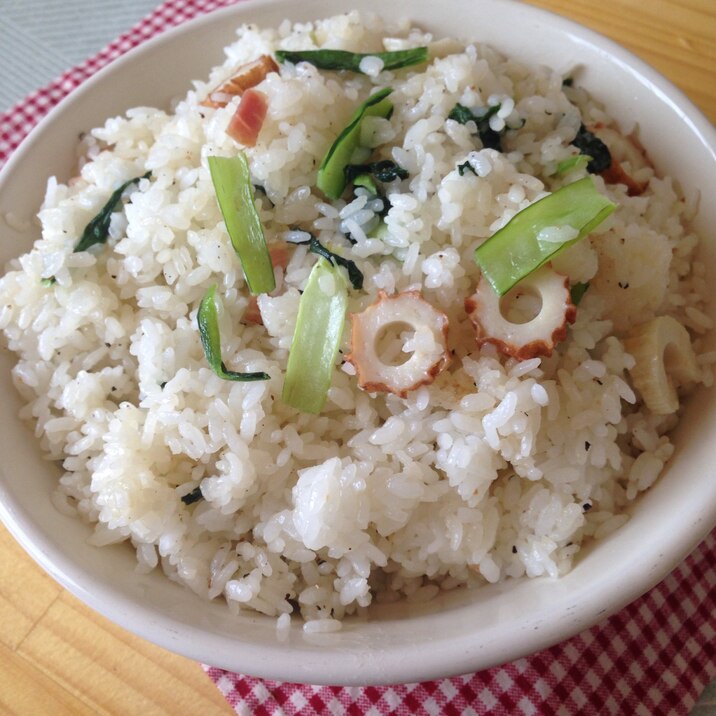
x=429, y=358
x=279, y=257
x=246, y=77
x=252, y=314
x=245, y=125
x=622, y=148
x=536, y=337
x=616, y=175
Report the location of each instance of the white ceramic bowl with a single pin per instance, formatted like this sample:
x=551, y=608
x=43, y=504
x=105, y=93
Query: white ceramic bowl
x=461, y=632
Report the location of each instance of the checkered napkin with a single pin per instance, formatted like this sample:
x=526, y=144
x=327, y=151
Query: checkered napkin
x=654, y=657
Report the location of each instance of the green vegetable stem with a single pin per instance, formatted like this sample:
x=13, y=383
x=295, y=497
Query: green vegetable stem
x=570, y=164
x=208, y=321
x=235, y=195
x=319, y=328
x=342, y=60
x=331, y=174
x=515, y=250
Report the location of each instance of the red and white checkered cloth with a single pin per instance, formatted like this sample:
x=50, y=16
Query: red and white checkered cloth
x=652, y=658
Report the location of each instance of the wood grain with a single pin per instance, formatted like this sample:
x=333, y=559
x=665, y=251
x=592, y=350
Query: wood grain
x=57, y=656
x=676, y=38
x=26, y=592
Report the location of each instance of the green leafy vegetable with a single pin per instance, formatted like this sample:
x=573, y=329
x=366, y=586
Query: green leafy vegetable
x=316, y=247
x=342, y=60
x=318, y=333
x=384, y=170
x=576, y=162
x=331, y=174
x=47, y=282
x=463, y=115
x=367, y=182
x=97, y=231
x=208, y=320
x=591, y=145
x=191, y=497
x=380, y=231
x=465, y=167
x=235, y=195
x=515, y=250
x=489, y=137
x=577, y=292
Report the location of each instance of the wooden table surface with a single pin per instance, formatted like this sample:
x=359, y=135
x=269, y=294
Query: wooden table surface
x=59, y=657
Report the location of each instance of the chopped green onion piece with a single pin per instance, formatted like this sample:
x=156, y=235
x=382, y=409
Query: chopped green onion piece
x=515, y=251
x=380, y=232
x=343, y=60
x=47, y=282
x=578, y=161
x=367, y=182
x=331, y=174
x=318, y=333
x=97, y=231
x=235, y=194
x=208, y=320
x=577, y=292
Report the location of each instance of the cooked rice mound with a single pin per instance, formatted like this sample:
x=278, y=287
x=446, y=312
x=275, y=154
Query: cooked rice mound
x=499, y=468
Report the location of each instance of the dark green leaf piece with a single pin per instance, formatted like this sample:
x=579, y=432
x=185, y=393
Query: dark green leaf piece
x=343, y=60
x=465, y=167
x=384, y=170
x=591, y=145
x=316, y=247
x=191, y=497
x=97, y=231
x=489, y=137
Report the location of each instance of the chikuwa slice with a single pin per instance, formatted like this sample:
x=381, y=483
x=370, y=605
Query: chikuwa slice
x=429, y=356
x=531, y=338
x=664, y=359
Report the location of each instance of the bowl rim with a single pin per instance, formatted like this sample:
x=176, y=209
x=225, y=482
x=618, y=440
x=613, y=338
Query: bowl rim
x=444, y=657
